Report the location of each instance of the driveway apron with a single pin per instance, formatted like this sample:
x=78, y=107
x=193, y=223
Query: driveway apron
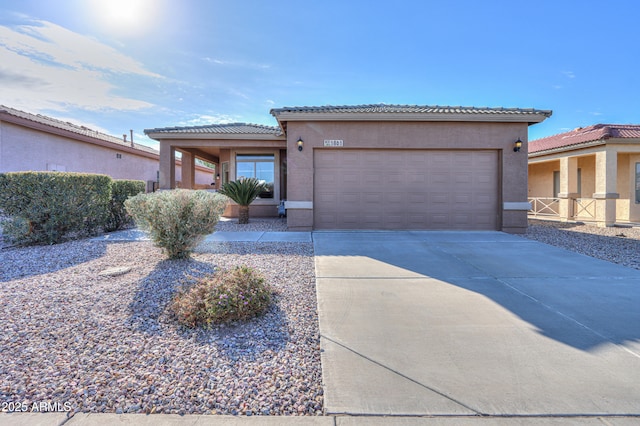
x=474, y=323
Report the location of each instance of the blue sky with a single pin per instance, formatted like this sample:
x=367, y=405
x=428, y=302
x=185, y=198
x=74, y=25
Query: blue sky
x=115, y=65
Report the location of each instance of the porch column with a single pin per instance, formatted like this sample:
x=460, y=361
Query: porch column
x=606, y=187
x=188, y=170
x=167, y=166
x=568, y=187
x=217, y=178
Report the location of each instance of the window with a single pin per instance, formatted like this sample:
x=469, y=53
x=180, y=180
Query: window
x=261, y=167
x=579, y=183
x=637, y=182
x=556, y=183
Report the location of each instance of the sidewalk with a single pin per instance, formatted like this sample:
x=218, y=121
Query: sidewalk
x=83, y=419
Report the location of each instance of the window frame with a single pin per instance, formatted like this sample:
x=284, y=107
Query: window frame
x=276, y=167
x=637, y=183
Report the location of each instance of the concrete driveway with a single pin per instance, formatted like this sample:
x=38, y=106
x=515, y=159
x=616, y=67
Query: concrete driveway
x=474, y=323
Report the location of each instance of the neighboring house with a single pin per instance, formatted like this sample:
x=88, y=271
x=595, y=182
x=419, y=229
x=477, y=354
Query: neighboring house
x=39, y=143
x=588, y=174
x=373, y=166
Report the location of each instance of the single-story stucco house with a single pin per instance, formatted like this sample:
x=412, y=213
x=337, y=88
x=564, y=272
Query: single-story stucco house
x=33, y=142
x=589, y=174
x=373, y=166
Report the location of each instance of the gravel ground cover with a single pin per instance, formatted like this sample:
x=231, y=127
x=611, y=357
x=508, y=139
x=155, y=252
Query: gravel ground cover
x=105, y=342
x=255, y=224
x=615, y=244
x=76, y=331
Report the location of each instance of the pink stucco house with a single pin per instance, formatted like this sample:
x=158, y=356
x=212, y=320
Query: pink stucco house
x=33, y=142
x=589, y=174
x=373, y=166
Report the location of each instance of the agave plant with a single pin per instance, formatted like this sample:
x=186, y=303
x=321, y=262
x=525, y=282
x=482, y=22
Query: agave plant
x=243, y=192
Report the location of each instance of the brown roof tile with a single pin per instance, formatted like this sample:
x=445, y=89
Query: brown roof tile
x=583, y=135
x=230, y=128
x=388, y=108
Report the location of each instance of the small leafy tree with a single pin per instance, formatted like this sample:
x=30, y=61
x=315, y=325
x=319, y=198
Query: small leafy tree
x=177, y=220
x=243, y=192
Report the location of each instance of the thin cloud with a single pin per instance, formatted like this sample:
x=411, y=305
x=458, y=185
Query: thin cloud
x=46, y=66
x=203, y=120
x=237, y=64
x=569, y=74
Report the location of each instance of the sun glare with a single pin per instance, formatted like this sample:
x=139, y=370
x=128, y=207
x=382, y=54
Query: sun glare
x=125, y=17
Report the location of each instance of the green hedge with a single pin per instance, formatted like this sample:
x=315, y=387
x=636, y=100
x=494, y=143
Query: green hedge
x=46, y=207
x=121, y=190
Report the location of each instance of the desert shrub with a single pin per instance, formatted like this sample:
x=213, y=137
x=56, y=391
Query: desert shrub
x=243, y=192
x=120, y=191
x=228, y=295
x=177, y=220
x=47, y=207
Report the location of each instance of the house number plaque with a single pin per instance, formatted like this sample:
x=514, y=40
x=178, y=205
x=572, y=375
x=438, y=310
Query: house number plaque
x=333, y=142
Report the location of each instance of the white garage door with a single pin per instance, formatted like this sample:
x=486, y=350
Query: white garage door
x=405, y=189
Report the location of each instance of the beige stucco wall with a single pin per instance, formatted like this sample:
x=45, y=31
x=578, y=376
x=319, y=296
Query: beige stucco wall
x=623, y=205
x=587, y=166
x=24, y=149
x=626, y=209
x=634, y=208
x=410, y=135
x=541, y=178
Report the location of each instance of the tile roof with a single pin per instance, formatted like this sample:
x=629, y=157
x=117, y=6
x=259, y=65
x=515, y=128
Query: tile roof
x=230, y=128
x=583, y=135
x=73, y=128
x=400, y=109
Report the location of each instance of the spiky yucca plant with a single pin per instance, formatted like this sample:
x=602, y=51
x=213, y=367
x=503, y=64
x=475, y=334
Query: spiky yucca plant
x=243, y=192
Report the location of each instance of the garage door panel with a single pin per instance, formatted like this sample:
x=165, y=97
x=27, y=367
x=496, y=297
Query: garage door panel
x=484, y=158
x=405, y=189
x=439, y=158
x=439, y=178
x=463, y=178
x=350, y=158
x=462, y=200
x=439, y=221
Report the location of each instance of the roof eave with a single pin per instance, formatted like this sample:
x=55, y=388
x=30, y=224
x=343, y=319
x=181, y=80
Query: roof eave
x=159, y=135
x=567, y=148
x=530, y=118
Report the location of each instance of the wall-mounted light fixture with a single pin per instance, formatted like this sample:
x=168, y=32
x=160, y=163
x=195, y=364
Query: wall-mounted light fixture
x=517, y=145
x=300, y=144
x=218, y=176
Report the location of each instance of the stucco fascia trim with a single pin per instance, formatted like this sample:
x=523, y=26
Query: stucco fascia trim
x=479, y=117
x=239, y=143
x=306, y=205
x=517, y=206
x=568, y=148
x=214, y=136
